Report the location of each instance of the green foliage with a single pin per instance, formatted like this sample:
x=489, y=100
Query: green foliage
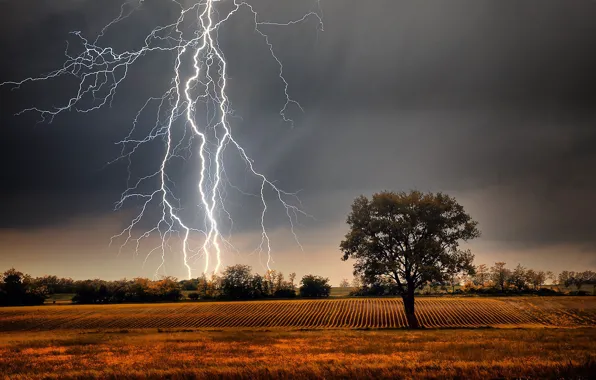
x=410, y=238
x=314, y=286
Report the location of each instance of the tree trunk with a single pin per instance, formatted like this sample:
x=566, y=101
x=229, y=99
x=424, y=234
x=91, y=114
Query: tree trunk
x=410, y=313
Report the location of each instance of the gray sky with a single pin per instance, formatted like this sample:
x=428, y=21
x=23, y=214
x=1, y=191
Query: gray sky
x=490, y=101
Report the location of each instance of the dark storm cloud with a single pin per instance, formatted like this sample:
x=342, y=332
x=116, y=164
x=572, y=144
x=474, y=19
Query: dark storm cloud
x=490, y=100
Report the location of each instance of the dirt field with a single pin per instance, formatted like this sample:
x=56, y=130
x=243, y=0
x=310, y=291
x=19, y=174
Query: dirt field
x=437, y=354
x=375, y=313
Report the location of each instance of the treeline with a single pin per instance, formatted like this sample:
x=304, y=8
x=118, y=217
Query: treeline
x=497, y=279
x=235, y=283
x=577, y=279
x=166, y=289
x=17, y=288
x=238, y=282
x=520, y=279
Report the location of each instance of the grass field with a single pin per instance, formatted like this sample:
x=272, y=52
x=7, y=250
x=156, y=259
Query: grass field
x=375, y=313
x=539, y=337
x=440, y=354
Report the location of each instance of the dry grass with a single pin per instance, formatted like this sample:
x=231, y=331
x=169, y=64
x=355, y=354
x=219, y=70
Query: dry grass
x=469, y=354
x=438, y=312
x=302, y=339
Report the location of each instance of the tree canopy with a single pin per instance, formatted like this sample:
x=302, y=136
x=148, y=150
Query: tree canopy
x=410, y=238
x=314, y=286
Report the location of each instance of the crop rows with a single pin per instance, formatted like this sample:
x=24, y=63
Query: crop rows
x=315, y=314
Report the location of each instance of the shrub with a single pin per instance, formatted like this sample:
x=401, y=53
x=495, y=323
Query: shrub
x=547, y=292
x=193, y=296
x=137, y=290
x=285, y=293
x=17, y=288
x=579, y=293
x=315, y=286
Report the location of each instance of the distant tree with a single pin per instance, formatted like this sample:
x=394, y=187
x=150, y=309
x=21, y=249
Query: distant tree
x=500, y=275
x=566, y=278
x=236, y=282
x=167, y=289
x=590, y=277
x=535, y=278
x=87, y=291
x=357, y=282
x=578, y=279
x=454, y=274
x=550, y=276
x=136, y=290
x=410, y=238
x=209, y=287
x=139, y=290
x=518, y=278
x=269, y=280
x=283, y=288
x=52, y=283
x=434, y=287
x=454, y=280
x=193, y=296
x=583, y=278
x=17, y=288
x=280, y=282
x=481, y=276
x=256, y=286
x=344, y=283
x=191, y=284
x=12, y=287
x=314, y=286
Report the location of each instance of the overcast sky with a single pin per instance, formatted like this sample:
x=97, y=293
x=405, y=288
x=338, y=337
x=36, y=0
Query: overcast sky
x=493, y=102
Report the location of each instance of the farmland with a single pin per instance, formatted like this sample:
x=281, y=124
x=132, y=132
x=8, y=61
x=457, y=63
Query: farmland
x=438, y=354
x=531, y=337
x=375, y=313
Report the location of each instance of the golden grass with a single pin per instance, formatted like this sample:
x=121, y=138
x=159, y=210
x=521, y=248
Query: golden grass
x=469, y=354
x=437, y=312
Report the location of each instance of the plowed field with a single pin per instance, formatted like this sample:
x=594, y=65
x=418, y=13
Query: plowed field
x=312, y=314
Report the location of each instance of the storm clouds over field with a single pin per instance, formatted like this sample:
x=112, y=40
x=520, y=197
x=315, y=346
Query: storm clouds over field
x=492, y=102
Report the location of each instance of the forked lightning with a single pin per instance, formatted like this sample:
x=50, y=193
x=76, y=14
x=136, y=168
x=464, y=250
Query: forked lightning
x=192, y=119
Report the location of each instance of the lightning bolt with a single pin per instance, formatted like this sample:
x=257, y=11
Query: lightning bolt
x=101, y=70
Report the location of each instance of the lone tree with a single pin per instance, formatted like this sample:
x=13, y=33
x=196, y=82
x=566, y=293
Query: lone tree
x=410, y=239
